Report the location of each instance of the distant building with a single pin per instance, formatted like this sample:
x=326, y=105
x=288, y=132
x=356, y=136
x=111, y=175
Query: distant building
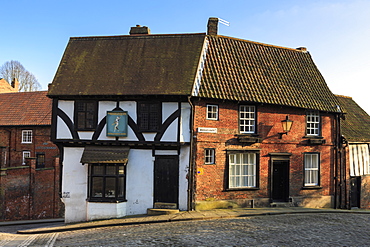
x=356, y=165
x=29, y=161
x=5, y=87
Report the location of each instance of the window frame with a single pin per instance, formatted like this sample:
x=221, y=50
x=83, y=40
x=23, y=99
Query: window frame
x=117, y=176
x=24, y=156
x=311, y=169
x=27, y=136
x=209, y=156
x=256, y=174
x=247, y=119
x=212, y=110
x=311, y=129
x=86, y=111
x=154, y=118
x=38, y=158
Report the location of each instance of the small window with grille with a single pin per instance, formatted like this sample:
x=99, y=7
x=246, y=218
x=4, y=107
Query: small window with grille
x=149, y=116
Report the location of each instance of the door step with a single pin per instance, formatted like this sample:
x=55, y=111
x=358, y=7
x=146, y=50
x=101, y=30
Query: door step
x=281, y=204
x=165, y=205
x=161, y=211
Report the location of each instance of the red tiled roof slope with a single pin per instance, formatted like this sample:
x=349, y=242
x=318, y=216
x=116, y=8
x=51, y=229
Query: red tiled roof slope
x=356, y=126
x=129, y=65
x=248, y=71
x=25, y=108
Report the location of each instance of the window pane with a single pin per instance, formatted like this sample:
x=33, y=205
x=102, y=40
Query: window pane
x=121, y=170
x=97, y=187
x=110, y=187
x=121, y=187
x=111, y=170
x=98, y=170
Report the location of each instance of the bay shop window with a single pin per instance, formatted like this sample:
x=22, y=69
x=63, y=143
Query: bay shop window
x=106, y=172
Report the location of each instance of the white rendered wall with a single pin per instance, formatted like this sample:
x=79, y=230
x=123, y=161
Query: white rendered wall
x=74, y=185
x=62, y=130
x=185, y=118
x=97, y=210
x=183, y=174
x=139, y=182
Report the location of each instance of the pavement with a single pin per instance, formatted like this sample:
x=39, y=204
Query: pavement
x=181, y=216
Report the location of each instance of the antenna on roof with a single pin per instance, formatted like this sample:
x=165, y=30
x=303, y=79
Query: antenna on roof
x=226, y=23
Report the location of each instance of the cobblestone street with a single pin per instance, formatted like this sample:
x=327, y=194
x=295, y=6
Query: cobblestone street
x=327, y=229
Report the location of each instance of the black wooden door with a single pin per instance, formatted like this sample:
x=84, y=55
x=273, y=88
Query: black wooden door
x=166, y=179
x=355, y=192
x=280, y=181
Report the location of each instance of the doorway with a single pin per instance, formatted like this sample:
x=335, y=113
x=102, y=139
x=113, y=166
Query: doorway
x=355, y=192
x=280, y=181
x=166, y=179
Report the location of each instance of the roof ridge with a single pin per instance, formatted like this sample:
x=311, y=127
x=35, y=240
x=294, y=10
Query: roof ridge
x=260, y=43
x=343, y=96
x=135, y=36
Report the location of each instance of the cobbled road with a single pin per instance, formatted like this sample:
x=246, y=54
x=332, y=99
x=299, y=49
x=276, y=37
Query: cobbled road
x=331, y=229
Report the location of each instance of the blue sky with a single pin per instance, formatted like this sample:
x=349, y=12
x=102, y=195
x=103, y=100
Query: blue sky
x=335, y=32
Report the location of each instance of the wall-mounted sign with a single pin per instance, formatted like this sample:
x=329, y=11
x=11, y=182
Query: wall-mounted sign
x=117, y=123
x=207, y=130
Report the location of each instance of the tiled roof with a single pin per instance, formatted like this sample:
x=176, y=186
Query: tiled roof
x=235, y=69
x=356, y=126
x=25, y=108
x=129, y=65
x=248, y=71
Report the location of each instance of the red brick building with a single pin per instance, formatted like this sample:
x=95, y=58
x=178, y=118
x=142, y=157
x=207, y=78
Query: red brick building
x=29, y=163
x=242, y=155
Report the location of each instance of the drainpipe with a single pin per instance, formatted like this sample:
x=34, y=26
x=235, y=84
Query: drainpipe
x=191, y=177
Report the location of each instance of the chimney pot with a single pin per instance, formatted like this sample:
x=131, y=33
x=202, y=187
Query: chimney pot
x=212, y=27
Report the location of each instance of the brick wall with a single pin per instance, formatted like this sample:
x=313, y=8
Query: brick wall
x=29, y=193
x=211, y=180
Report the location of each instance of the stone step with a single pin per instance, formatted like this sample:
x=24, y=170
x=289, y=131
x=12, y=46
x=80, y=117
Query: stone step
x=281, y=204
x=161, y=211
x=165, y=205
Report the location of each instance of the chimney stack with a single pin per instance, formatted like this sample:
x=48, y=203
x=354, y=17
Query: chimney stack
x=138, y=30
x=15, y=84
x=212, y=27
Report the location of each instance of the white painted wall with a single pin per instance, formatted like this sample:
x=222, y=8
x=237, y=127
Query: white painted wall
x=130, y=106
x=62, y=130
x=185, y=131
x=139, y=182
x=183, y=174
x=74, y=184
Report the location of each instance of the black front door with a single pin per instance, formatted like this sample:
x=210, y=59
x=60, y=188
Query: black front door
x=355, y=192
x=166, y=179
x=280, y=181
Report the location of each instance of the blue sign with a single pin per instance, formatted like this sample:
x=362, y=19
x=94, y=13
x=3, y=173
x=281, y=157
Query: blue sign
x=117, y=123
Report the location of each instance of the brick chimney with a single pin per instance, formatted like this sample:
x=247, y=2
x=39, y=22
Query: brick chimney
x=212, y=27
x=15, y=84
x=139, y=30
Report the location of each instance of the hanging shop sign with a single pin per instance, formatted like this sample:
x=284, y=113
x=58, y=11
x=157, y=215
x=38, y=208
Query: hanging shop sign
x=117, y=123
